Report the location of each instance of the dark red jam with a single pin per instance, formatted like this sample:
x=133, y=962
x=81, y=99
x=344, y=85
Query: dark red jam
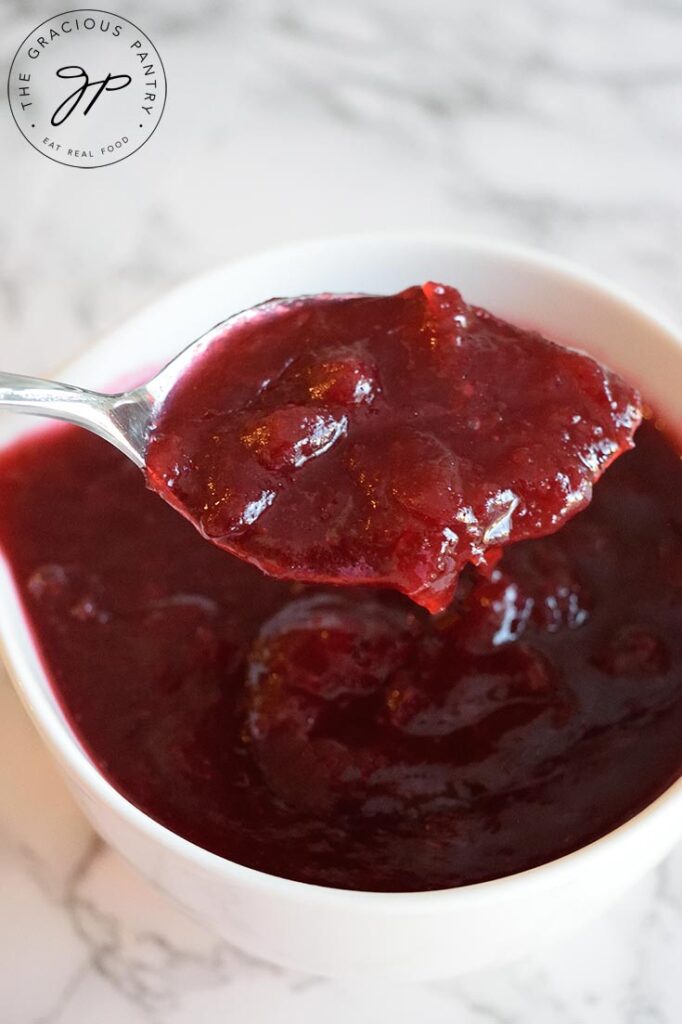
x=346, y=737
x=385, y=440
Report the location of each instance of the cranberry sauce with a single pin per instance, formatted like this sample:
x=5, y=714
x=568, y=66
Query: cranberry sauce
x=346, y=737
x=385, y=440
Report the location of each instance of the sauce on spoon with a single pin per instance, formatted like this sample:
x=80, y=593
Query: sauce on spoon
x=385, y=440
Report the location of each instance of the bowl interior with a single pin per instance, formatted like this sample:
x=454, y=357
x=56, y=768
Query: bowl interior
x=564, y=303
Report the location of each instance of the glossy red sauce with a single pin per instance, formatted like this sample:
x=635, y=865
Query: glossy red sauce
x=385, y=440
x=346, y=737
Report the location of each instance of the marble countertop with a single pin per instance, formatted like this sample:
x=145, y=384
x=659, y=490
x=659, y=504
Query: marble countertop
x=551, y=122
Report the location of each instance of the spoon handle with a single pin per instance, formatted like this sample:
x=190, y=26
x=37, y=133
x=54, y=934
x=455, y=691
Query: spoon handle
x=44, y=397
x=121, y=419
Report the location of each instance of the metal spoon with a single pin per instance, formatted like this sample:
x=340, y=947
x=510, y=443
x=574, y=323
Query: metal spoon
x=125, y=419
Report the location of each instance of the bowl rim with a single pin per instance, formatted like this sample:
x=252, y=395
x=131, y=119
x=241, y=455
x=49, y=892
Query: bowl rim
x=32, y=682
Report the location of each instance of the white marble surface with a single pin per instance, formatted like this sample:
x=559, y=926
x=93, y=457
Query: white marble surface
x=552, y=122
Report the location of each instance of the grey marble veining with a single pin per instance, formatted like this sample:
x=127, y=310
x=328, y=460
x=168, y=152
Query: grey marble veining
x=550, y=122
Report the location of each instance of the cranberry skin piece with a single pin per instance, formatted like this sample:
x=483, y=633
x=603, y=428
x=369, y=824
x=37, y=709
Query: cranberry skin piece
x=477, y=686
x=345, y=381
x=318, y=654
x=330, y=647
x=287, y=438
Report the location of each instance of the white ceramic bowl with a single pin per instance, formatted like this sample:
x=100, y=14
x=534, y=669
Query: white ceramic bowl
x=330, y=931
